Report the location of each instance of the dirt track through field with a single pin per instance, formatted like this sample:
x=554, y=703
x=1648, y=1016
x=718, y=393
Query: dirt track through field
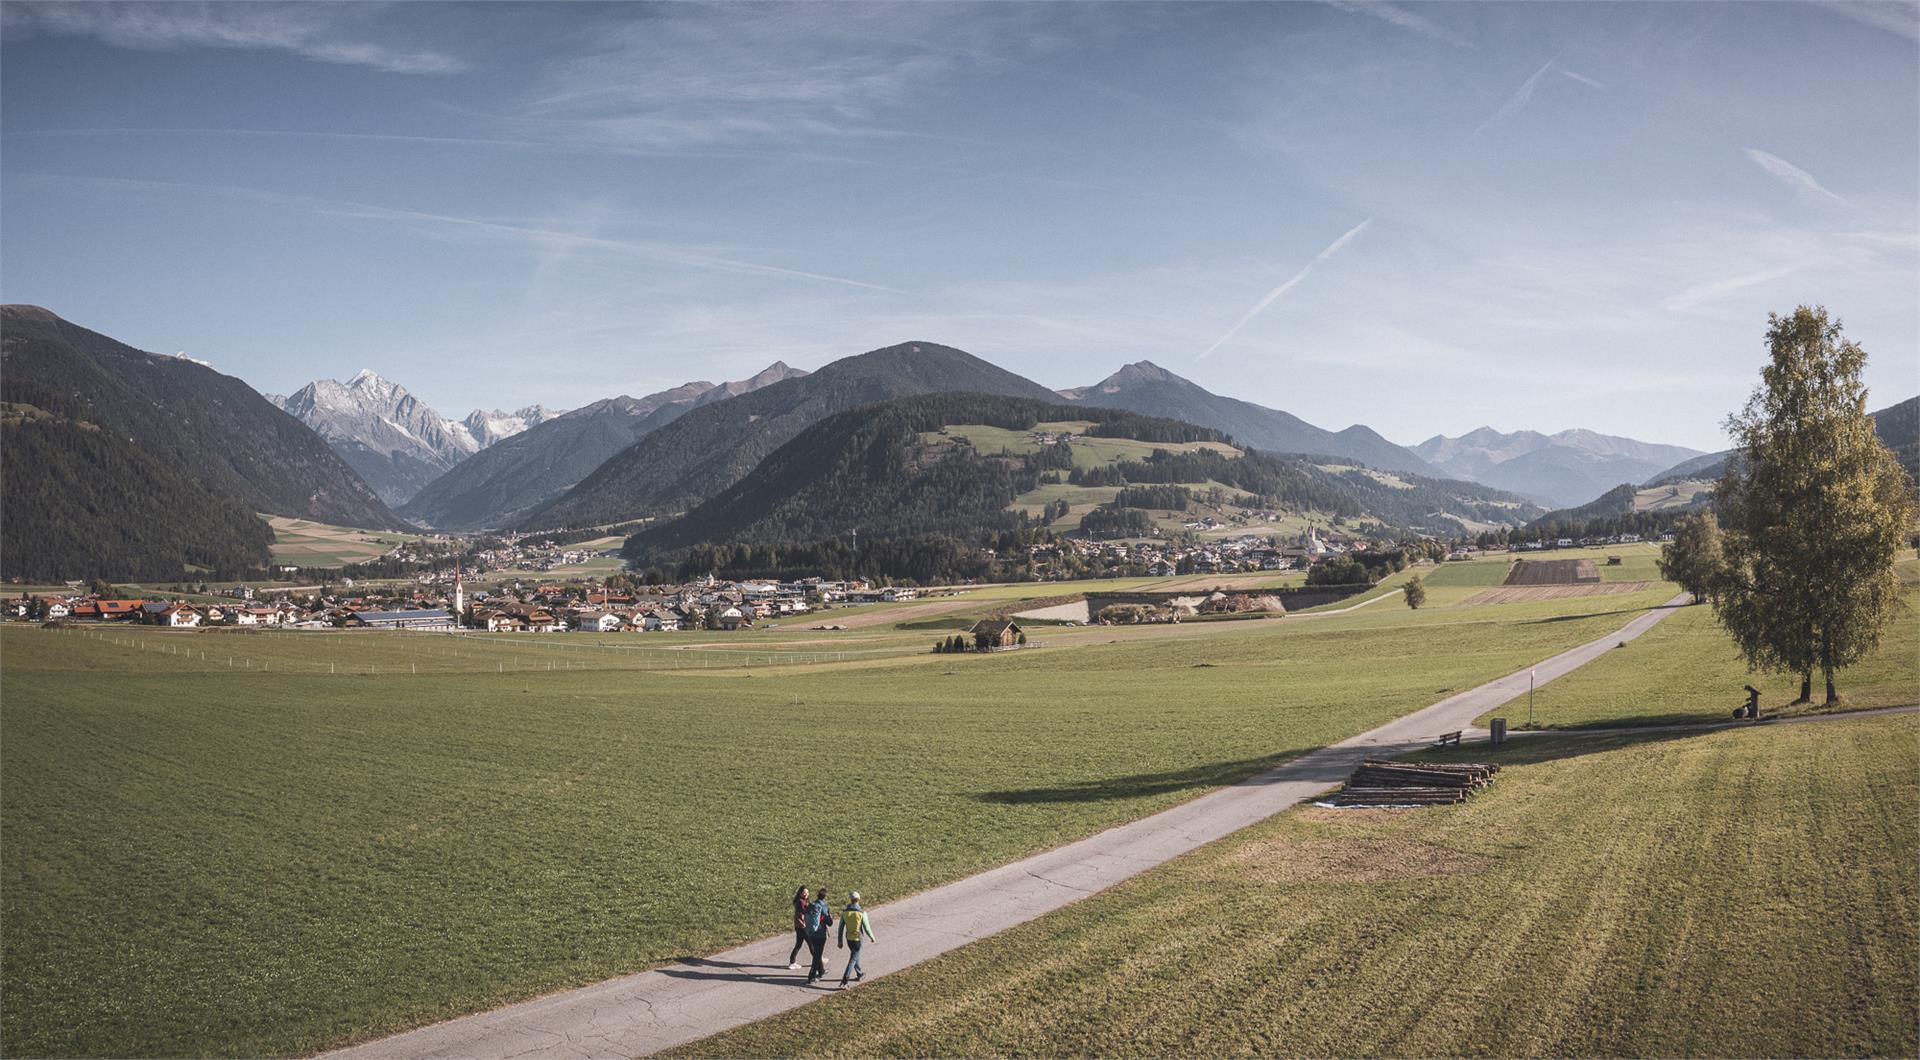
x=1523, y=594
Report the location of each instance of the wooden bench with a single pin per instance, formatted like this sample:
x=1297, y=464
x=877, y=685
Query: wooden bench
x=1448, y=738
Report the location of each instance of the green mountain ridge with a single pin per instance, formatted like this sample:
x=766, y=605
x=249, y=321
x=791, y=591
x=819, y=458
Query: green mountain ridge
x=80, y=501
x=209, y=426
x=710, y=448
x=885, y=471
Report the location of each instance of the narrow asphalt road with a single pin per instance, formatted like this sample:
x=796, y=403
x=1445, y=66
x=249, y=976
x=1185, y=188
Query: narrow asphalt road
x=647, y=1012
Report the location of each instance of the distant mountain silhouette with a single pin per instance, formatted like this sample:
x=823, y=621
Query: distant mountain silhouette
x=1560, y=469
x=1147, y=388
x=495, y=485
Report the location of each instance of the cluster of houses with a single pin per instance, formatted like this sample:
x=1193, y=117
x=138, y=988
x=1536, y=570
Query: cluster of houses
x=174, y=613
x=527, y=554
x=706, y=603
x=1583, y=542
x=1248, y=553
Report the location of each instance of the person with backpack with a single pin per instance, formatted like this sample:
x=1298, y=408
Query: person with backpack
x=801, y=900
x=819, y=922
x=854, y=922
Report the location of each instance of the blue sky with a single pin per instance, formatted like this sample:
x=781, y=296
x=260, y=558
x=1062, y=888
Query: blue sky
x=1424, y=217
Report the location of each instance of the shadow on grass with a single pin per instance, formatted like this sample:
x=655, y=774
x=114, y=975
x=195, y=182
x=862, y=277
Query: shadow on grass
x=708, y=969
x=1549, y=746
x=1603, y=614
x=1526, y=748
x=1145, y=785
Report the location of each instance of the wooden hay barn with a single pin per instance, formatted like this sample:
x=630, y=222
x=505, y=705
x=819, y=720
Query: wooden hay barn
x=1553, y=572
x=995, y=633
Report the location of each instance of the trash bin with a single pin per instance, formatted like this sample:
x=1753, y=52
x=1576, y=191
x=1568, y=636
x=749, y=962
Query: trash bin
x=1497, y=731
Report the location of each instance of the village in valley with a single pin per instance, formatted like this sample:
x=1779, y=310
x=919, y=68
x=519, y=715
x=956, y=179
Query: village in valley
x=601, y=530
x=438, y=598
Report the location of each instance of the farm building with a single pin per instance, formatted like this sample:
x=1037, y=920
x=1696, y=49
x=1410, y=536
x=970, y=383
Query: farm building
x=1553, y=572
x=424, y=618
x=994, y=633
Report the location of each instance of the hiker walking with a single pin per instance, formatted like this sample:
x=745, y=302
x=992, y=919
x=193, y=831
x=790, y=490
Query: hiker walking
x=819, y=922
x=854, y=922
x=801, y=900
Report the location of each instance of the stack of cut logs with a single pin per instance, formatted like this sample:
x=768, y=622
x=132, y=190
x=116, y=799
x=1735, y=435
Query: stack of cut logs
x=1378, y=783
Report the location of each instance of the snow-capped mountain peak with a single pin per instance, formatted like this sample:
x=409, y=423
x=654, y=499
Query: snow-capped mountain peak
x=485, y=428
x=395, y=441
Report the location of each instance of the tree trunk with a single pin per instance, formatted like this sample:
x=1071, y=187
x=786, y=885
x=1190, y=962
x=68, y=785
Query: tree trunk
x=1806, y=688
x=1826, y=667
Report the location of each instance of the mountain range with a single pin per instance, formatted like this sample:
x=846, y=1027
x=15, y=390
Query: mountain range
x=212, y=446
x=494, y=486
x=395, y=441
x=710, y=448
x=486, y=428
x=1560, y=470
x=1897, y=425
x=1147, y=388
x=905, y=467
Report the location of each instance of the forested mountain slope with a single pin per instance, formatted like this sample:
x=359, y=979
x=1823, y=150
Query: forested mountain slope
x=79, y=501
x=211, y=427
x=908, y=467
x=496, y=485
x=711, y=448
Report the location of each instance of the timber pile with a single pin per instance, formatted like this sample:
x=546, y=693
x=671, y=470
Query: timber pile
x=1379, y=783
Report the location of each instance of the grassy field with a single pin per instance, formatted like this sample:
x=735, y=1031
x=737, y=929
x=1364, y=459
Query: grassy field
x=1687, y=670
x=214, y=846
x=1088, y=451
x=1736, y=893
x=1679, y=496
x=303, y=542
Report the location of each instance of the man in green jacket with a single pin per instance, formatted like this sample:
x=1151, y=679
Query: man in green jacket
x=853, y=923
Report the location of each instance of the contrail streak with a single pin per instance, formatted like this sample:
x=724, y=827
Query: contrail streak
x=1274, y=295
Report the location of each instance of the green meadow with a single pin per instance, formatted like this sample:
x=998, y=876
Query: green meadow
x=269, y=843
x=1686, y=669
x=306, y=543
x=1742, y=892
x=1088, y=451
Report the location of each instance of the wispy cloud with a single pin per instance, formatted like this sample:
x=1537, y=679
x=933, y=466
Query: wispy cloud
x=541, y=238
x=1898, y=17
x=1299, y=277
x=321, y=32
x=1714, y=290
x=1520, y=98
x=1403, y=18
x=1789, y=174
x=699, y=75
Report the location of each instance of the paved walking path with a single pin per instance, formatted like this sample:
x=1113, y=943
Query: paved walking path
x=644, y=1013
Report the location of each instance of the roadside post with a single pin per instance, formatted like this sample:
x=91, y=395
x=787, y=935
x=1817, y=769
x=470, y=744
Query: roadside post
x=1533, y=679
